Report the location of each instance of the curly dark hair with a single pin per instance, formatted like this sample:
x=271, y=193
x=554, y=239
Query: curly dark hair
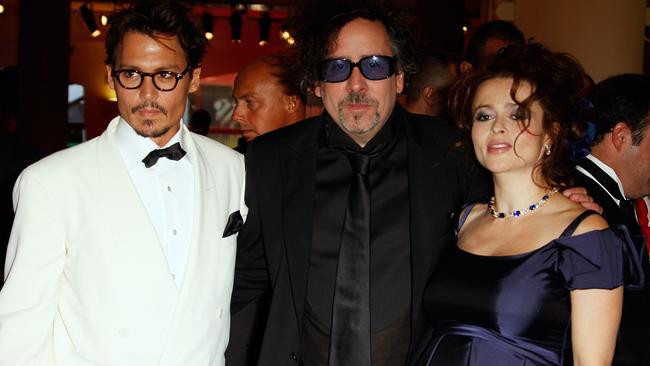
x=317, y=24
x=150, y=17
x=556, y=80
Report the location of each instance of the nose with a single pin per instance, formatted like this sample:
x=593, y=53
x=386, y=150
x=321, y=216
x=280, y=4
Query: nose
x=498, y=126
x=357, y=82
x=238, y=114
x=147, y=90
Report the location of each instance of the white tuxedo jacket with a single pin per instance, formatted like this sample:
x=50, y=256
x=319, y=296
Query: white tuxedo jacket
x=86, y=280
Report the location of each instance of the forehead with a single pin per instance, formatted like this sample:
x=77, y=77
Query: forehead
x=161, y=49
x=255, y=77
x=499, y=88
x=361, y=37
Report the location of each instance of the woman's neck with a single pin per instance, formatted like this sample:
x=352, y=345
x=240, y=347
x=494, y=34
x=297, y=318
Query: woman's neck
x=516, y=192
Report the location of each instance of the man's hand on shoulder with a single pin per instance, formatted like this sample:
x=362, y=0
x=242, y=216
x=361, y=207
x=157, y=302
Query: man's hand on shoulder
x=581, y=196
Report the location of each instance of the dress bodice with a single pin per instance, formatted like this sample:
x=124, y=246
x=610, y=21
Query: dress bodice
x=516, y=309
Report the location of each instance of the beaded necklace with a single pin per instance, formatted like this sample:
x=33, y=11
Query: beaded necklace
x=519, y=213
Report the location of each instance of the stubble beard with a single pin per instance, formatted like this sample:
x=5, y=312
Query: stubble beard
x=354, y=123
x=147, y=127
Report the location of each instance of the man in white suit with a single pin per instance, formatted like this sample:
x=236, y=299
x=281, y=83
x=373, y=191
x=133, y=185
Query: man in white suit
x=122, y=249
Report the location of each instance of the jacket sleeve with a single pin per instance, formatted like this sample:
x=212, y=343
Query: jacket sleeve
x=33, y=273
x=251, y=275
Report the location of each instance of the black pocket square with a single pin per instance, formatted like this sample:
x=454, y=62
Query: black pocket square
x=234, y=224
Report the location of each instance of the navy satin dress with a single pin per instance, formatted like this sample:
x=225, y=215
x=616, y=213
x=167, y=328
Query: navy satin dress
x=515, y=310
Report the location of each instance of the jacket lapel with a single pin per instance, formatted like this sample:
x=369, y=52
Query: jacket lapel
x=127, y=219
x=299, y=172
x=209, y=210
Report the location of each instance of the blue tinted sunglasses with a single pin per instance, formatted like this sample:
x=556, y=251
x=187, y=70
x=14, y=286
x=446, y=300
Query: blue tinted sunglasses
x=335, y=70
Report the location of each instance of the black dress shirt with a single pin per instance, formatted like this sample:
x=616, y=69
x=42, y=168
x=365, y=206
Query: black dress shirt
x=390, y=276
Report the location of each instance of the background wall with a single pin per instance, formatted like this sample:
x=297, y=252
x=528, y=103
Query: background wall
x=607, y=36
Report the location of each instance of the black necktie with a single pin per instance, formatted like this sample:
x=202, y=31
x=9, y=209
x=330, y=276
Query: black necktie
x=350, y=333
x=174, y=152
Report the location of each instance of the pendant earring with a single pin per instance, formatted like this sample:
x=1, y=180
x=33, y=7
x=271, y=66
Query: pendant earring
x=547, y=147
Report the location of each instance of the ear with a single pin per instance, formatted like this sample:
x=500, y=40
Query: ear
x=465, y=67
x=552, y=133
x=109, y=77
x=427, y=95
x=621, y=136
x=195, y=80
x=399, y=80
x=290, y=103
x=317, y=90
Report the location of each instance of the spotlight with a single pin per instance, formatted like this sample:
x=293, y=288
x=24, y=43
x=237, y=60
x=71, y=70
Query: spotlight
x=285, y=34
x=291, y=41
x=2, y=9
x=467, y=26
x=265, y=27
x=235, y=26
x=207, y=22
x=89, y=19
x=103, y=20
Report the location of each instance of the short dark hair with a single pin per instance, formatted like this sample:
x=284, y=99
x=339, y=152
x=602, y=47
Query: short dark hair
x=152, y=17
x=433, y=69
x=318, y=24
x=622, y=98
x=499, y=29
x=556, y=81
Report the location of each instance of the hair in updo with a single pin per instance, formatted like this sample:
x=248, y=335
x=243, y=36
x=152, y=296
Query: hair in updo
x=556, y=80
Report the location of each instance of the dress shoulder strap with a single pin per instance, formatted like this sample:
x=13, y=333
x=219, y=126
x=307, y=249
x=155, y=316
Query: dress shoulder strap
x=464, y=212
x=574, y=224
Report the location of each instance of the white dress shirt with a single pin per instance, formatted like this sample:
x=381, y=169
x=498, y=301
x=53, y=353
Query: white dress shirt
x=167, y=193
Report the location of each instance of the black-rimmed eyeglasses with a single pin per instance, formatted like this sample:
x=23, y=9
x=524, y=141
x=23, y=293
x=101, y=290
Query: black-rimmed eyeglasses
x=335, y=70
x=162, y=80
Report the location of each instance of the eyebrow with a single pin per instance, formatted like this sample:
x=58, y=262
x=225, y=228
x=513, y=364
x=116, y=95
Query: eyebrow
x=158, y=69
x=247, y=95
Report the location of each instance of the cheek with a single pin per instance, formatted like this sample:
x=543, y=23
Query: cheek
x=477, y=132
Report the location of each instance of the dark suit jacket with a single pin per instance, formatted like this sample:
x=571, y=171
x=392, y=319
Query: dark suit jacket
x=633, y=346
x=274, y=245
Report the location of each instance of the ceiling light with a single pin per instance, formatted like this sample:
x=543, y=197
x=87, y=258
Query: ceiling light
x=265, y=27
x=89, y=19
x=207, y=22
x=235, y=26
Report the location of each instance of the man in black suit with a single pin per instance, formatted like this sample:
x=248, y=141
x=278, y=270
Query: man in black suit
x=298, y=183
x=617, y=171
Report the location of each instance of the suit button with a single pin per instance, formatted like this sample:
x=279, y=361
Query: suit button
x=294, y=357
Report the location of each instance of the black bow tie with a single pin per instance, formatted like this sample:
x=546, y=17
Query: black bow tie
x=174, y=152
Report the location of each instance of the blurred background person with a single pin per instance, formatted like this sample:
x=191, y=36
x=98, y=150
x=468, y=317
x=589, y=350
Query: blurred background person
x=267, y=96
x=429, y=88
x=535, y=292
x=616, y=173
x=486, y=41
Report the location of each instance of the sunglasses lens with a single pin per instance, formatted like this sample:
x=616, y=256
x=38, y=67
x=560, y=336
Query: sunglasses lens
x=336, y=70
x=376, y=67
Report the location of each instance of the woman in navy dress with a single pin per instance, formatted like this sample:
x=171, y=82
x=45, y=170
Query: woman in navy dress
x=534, y=279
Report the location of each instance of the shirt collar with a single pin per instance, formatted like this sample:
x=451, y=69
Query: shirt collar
x=134, y=147
x=609, y=171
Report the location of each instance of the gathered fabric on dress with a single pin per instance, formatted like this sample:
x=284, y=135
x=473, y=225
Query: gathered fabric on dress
x=516, y=309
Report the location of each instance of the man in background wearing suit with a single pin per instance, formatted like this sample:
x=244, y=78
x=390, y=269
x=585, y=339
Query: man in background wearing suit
x=617, y=171
x=122, y=249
